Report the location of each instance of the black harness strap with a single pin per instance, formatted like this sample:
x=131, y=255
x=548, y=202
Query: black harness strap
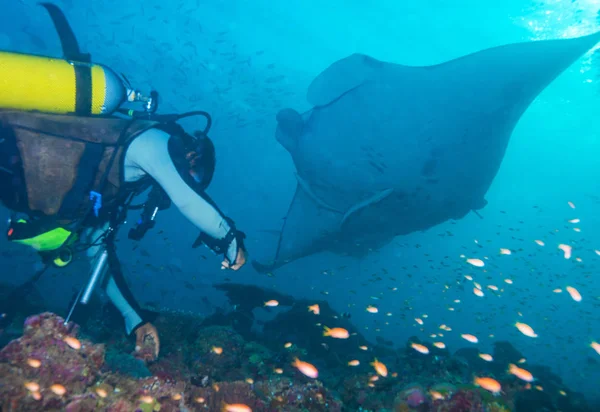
x=83, y=89
x=84, y=181
x=83, y=71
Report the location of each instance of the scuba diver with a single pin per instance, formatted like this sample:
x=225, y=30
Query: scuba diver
x=72, y=160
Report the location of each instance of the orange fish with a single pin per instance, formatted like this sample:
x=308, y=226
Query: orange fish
x=146, y=399
x=372, y=309
x=526, y=330
x=306, y=368
x=58, y=389
x=439, y=345
x=72, y=342
x=338, y=333
x=272, y=303
x=353, y=363
x=476, y=262
x=380, y=368
x=486, y=357
x=469, y=338
x=575, y=295
x=489, y=384
x=217, y=350
x=314, y=309
x=520, y=373
x=235, y=407
x=566, y=250
x=420, y=348
x=32, y=386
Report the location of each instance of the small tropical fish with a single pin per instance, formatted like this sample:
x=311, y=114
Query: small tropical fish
x=372, y=309
x=596, y=347
x=272, y=303
x=380, y=368
x=235, y=407
x=476, y=262
x=420, y=348
x=34, y=363
x=146, y=399
x=58, y=389
x=217, y=350
x=526, y=330
x=363, y=347
x=288, y=345
x=439, y=345
x=32, y=386
x=504, y=251
x=72, y=342
x=469, y=338
x=566, y=249
x=486, y=357
x=314, y=309
x=306, y=368
x=435, y=395
x=575, y=295
x=101, y=392
x=478, y=292
x=353, y=363
x=489, y=384
x=520, y=373
x=338, y=333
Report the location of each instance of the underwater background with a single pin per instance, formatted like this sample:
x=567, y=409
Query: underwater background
x=243, y=61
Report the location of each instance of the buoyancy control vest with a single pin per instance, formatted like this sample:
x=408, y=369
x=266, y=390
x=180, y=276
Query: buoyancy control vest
x=52, y=164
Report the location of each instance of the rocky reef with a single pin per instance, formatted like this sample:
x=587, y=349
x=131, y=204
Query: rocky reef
x=208, y=365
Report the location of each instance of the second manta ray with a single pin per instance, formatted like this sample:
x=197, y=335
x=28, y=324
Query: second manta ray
x=390, y=149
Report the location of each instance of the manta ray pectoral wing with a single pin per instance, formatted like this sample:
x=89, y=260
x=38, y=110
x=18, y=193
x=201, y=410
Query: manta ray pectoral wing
x=341, y=77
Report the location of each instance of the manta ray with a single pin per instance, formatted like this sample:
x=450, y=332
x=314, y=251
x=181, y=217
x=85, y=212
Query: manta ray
x=389, y=149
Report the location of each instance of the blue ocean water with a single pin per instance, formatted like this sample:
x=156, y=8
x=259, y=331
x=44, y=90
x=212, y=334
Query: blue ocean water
x=244, y=60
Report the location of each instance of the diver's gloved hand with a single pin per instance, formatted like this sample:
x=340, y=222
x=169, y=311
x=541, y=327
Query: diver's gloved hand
x=236, y=254
x=147, y=343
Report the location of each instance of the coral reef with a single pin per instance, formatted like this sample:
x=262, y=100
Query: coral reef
x=56, y=366
x=49, y=368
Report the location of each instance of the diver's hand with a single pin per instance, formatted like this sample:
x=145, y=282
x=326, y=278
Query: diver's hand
x=240, y=258
x=147, y=342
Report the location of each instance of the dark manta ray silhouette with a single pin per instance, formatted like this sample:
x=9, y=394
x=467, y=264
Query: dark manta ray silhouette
x=391, y=149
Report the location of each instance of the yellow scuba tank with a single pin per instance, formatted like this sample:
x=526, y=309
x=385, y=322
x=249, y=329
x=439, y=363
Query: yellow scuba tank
x=51, y=85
